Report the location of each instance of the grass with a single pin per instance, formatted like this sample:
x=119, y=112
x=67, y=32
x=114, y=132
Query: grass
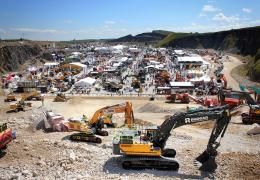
x=241, y=70
x=171, y=37
x=230, y=41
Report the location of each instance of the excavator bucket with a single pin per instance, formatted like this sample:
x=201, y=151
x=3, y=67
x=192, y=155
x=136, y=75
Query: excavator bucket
x=206, y=162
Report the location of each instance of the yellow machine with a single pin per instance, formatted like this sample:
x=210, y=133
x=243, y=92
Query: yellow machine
x=135, y=83
x=60, y=98
x=34, y=95
x=78, y=124
x=19, y=106
x=145, y=147
x=96, y=123
x=105, y=114
x=10, y=97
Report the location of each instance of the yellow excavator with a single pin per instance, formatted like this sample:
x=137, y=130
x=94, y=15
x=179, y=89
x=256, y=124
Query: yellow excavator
x=145, y=147
x=100, y=118
x=105, y=113
x=33, y=95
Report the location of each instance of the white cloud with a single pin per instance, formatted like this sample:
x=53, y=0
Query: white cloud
x=110, y=22
x=67, y=21
x=202, y=15
x=247, y=10
x=209, y=8
x=33, y=30
x=2, y=31
x=223, y=17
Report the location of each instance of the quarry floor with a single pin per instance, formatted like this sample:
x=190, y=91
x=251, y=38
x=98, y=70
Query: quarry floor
x=39, y=155
x=36, y=154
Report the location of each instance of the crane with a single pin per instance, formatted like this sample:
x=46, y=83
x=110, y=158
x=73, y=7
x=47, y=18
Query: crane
x=146, y=149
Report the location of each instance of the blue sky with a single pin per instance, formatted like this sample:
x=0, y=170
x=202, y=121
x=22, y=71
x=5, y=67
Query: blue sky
x=87, y=19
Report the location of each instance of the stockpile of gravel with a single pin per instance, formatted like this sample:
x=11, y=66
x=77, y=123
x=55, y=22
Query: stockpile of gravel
x=150, y=107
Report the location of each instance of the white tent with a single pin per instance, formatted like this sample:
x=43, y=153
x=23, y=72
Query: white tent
x=203, y=78
x=85, y=83
x=51, y=64
x=83, y=66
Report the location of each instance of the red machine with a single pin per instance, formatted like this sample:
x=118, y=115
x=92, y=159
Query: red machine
x=6, y=136
x=210, y=102
x=181, y=97
x=223, y=80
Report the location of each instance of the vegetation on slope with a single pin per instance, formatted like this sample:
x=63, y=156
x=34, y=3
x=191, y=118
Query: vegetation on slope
x=170, y=37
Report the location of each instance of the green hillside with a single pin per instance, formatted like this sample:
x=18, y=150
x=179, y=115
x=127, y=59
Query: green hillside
x=170, y=37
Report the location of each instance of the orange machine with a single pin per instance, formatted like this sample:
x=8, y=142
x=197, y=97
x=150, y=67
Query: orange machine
x=223, y=80
x=98, y=120
x=108, y=110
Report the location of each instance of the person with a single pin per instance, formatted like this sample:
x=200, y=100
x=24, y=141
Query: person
x=42, y=99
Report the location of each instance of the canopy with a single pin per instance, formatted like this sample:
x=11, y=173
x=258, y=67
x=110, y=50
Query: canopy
x=203, y=78
x=86, y=82
x=77, y=65
x=51, y=64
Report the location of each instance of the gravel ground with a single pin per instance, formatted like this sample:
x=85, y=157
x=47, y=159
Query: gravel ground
x=38, y=155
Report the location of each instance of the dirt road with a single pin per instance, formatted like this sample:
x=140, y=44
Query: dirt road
x=228, y=66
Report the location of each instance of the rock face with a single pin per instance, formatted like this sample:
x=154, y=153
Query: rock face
x=12, y=56
x=153, y=36
x=245, y=41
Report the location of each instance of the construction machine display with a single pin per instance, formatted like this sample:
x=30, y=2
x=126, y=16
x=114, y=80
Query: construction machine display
x=97, y=121
x=6, y=136
x=178, y=97
x=145, y=148
x=34, y=95
x=19, y=106
x=100, y=118
x=10, y=97
x=60, y=97
x=253, y=115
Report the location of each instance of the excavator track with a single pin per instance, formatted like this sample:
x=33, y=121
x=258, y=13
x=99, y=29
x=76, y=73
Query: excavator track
x=161, y=163
x=85, y=138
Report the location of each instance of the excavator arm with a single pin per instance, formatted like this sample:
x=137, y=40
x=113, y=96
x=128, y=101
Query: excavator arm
x=207, y=158
x=96, y=120
x=181, y=119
